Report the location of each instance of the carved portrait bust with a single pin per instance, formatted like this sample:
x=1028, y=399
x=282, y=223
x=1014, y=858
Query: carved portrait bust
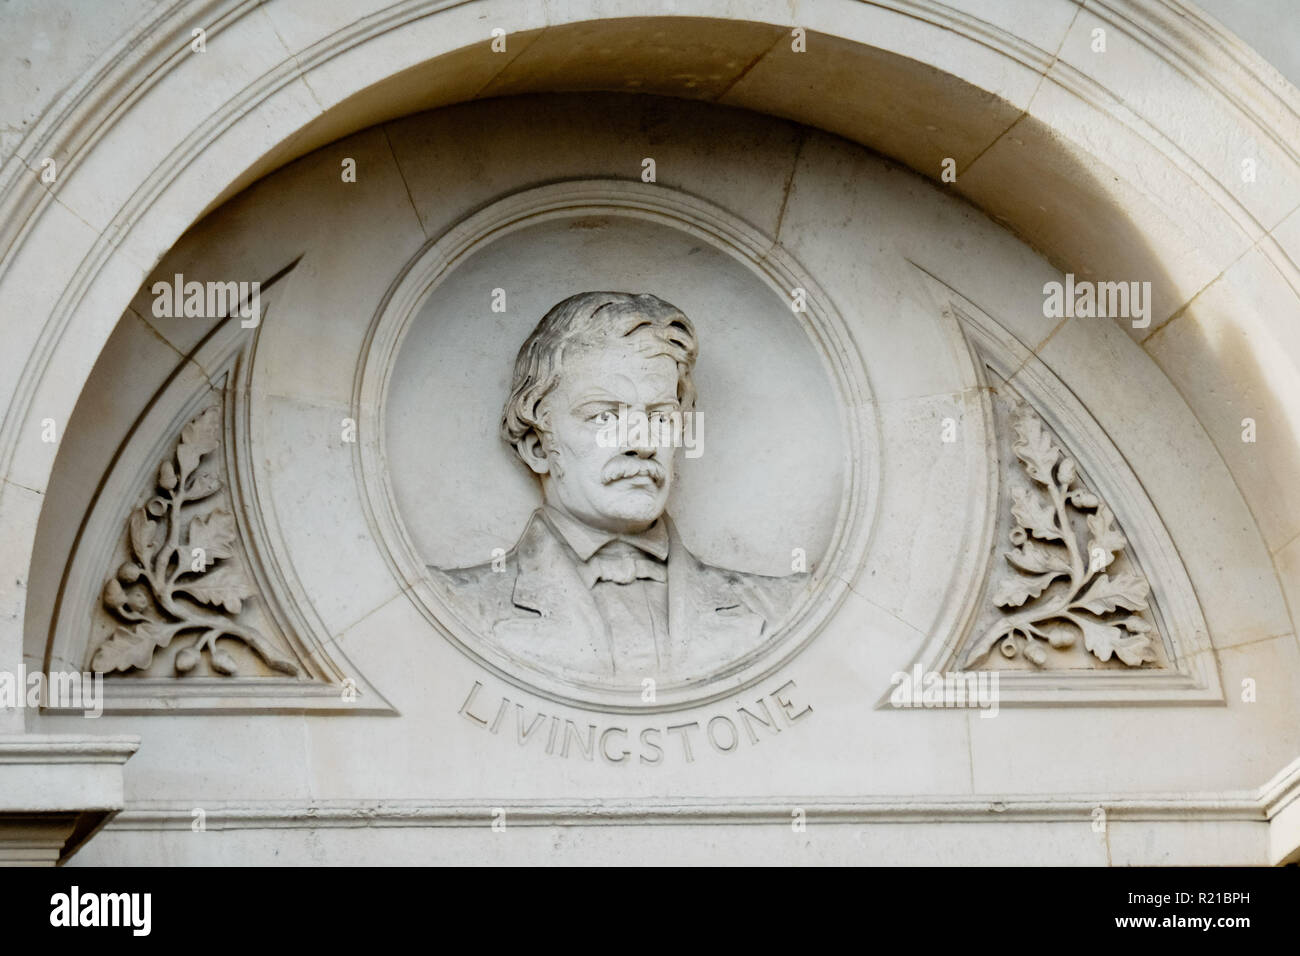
x=599, y=585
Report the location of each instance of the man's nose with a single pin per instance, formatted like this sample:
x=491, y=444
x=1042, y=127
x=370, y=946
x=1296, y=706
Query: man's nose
x=640, y=441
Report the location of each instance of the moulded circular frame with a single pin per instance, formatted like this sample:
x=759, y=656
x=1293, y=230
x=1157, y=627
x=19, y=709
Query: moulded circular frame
x=829, y=335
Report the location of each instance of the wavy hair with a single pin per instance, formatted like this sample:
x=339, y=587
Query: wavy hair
x=586, y=317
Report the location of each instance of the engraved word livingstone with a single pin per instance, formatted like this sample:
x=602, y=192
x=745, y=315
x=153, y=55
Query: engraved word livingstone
x=759, y=717
x=599, y=585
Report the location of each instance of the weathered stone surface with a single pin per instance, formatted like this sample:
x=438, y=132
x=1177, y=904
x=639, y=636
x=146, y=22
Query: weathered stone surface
x=930, y=547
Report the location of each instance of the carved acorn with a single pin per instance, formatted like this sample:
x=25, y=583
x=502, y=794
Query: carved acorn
x=1083, y=499
x=166, y=476
x=223, y=663
x=186, y=660
x=1060, y=637
x=114, y=595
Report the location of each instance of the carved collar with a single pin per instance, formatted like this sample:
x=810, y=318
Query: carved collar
x=586, y=541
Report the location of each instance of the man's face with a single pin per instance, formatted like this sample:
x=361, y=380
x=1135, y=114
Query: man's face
x=618, y=483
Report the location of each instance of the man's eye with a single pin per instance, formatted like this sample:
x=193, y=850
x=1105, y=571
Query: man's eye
x=604, y=418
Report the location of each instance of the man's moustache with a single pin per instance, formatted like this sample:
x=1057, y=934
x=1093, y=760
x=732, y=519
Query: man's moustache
x=621, y=468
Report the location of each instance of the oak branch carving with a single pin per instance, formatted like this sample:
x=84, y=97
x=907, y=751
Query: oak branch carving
x=169, y=587
x=1060, y=582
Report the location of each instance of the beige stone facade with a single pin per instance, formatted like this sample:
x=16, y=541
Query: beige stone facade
x=997, y=307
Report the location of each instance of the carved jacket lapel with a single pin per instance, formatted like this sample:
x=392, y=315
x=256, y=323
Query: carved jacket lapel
x=569, y=629
x=558, y=623
x=707, y=617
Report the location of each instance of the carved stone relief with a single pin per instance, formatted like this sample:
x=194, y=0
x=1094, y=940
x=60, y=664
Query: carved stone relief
x=175, y=592
x=600, y=584
x=601, y=592
x=183, y=586
x=333, y=488
x=1085, y=597
x=1068, y=583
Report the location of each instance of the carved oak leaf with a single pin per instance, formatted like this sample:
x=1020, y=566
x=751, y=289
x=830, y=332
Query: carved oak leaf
x=129, y=647
x=198, y=438
x=1015, y=591
x=1106, y=639
x=225, y=586
x=1034, y=515
x=1033, y=446
x=1104, y=538
x=1036, y=558
x=144, y=535
x=215, y=533
x=201, y=485
x=1125, y=590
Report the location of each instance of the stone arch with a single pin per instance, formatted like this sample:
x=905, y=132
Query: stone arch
x=1076, y=153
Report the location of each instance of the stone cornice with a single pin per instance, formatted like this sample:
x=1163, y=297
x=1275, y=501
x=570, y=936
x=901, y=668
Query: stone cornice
x=65, y=749
x=58, y=791
x=1255, y=806
x=1242, y=806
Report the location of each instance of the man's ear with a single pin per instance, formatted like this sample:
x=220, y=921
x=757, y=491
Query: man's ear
x=531, y=450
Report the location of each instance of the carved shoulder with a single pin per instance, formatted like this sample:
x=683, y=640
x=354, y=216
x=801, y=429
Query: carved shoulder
x=485, y=588
x=768, y=595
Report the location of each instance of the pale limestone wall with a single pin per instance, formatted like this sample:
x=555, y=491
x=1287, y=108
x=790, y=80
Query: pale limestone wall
x=1150, y=190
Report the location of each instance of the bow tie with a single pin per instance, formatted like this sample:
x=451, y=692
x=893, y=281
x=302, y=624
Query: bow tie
x=623, y=565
